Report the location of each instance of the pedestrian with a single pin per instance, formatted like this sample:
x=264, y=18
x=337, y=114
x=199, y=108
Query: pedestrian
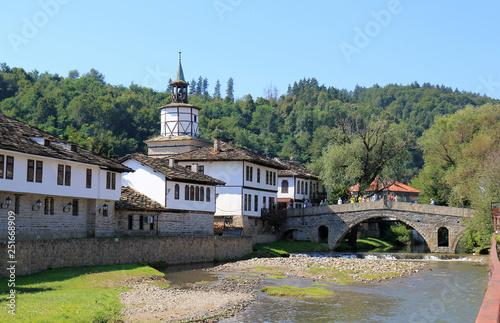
x=339, y=201
x=433, y=202
x=396, y=198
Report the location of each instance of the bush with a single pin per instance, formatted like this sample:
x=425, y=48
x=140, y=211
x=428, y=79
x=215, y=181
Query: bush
x=398, y=234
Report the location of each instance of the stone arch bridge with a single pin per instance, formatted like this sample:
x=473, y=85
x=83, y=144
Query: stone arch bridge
x=337, y=220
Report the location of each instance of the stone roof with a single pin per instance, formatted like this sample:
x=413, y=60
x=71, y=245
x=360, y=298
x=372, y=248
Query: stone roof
x=294, y=168
x=21, y=137
x=131, y=199
x=228, y=152
x=176, y=173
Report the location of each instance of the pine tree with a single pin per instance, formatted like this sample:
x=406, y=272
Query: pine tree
x=217, y=90
x=230, y=91
x=205, y=87
x=192, y=87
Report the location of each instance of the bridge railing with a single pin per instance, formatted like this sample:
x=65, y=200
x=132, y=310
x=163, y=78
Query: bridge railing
x=379, y=205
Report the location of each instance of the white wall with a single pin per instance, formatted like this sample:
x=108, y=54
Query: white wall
x=145, y=181
x=49, y=179
x=291, y=188
x=183, y=204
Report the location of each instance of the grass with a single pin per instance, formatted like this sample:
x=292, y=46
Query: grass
x=332, y=274
x=377, y=276
x=292, y=291
x=77, y=294
x=284, y=248
x=367, y=244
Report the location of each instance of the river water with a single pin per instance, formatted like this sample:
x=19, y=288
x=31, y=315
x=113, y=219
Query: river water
x=452, y=291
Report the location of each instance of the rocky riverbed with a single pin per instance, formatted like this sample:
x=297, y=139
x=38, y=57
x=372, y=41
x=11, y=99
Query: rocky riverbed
x=239, y=284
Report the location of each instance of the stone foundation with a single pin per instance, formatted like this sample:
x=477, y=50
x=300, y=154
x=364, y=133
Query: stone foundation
x=37, y=255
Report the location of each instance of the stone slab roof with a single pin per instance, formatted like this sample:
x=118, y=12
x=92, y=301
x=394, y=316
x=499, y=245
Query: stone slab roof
x=17, y=136
x=176, y=173
x=133, y=200
x=228, y=152
x=293, y=168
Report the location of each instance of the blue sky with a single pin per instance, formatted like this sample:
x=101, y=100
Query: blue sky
x=259, y=43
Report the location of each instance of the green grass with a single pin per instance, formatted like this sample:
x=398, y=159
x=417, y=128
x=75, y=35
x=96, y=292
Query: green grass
x=77, y=294
x=276, y=276
x=376, y=276
x=284, y=248
x=367, y=244
x=332, y=274
x=292, y=291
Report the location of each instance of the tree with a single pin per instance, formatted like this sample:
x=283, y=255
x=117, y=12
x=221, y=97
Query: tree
x=230, y=91
x=217, y=90
x=364, y=150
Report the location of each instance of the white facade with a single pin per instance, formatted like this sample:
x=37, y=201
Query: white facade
x=179, y=120
x=249, y=187
x=300, y=189
x=179, y=195
x=100, y=182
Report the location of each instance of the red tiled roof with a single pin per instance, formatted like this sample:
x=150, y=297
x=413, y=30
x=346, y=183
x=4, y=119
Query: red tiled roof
x=396, y=187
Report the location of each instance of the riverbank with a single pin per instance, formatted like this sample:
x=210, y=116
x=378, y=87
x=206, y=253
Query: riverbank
x=239, y=284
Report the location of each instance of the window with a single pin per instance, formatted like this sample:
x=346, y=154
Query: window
x=306, y=188
x=201, y=169
x=267, y=177
x=39, y=171
x=89, y=178
x=245, y=202
x=67, y=175
x=186, y=192
x=17, y=203
x=208, y=194
x=110, y=181
x=49, y=205
x=113, y=181
x=202, y=194
x=251, y=174
x=197, y=193
x=249, y=202
x=60, y=174
x=63, y=175
x=152, y=223
x=264, y=202
x=247, y=173
x=9, y=168
x=284, y=186
x=130, y=222
x=191, y=193
x=31, y=170
x=302, y=187
x=75, y=207
x=258, y=175
x=141, y=222
x=274, y=178
x=2, y=162
x=256, y=203
x=271, y=202
x=176, y=191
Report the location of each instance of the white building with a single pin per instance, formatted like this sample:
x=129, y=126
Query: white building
x=296, y=185
x=171, y=186
x=251, y=180
x=55, y=188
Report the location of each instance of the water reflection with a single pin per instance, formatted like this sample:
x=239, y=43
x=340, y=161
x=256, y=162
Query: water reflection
x=450, y=292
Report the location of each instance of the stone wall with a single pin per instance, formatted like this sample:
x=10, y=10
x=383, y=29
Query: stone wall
x=165, y=223
x=33, y=223
x=37, y=255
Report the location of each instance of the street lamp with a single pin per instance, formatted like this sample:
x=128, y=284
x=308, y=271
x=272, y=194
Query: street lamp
x=37, y=205
x=68, y=207
x=8, y=201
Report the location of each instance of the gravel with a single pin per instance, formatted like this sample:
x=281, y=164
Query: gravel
x=235, y=289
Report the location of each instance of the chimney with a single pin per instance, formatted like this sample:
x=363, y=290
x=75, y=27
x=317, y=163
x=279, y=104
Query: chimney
x=171, y=162
x=74, y=148
x=46, y=142
x=217, y=145
x=195, y=168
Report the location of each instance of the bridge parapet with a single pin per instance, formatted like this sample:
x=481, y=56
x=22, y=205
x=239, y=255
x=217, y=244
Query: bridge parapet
x=380, y=205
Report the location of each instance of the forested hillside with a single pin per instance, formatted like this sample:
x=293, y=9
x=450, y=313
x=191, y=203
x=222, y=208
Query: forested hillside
x=112, y=119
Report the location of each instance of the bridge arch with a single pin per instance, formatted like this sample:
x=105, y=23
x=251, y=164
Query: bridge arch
x=423, y=231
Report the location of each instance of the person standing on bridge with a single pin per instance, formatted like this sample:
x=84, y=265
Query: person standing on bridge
x=433, y=202
x=339, y=201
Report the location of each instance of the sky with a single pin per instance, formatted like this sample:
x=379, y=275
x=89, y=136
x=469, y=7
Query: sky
x=260, y=44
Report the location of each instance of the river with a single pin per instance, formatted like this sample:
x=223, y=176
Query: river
x=451, y=292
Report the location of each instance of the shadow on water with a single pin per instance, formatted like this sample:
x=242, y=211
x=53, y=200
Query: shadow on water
x=184, y=275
